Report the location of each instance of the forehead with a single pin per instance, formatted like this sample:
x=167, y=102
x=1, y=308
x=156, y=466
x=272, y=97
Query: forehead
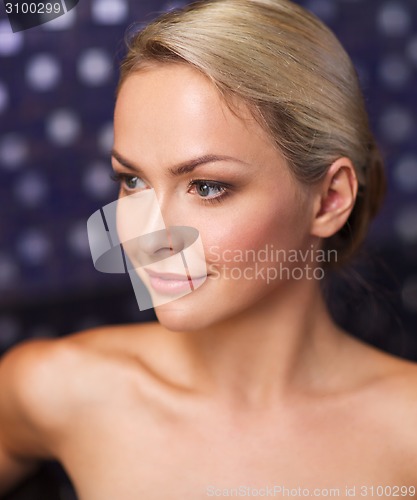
x=169, y=112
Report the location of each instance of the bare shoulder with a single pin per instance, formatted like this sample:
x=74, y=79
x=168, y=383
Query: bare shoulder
x=400, y=383
x=379, y=396
x=43, y=382
x=387, y=374
x=390, y=394
x=29, y=383
x=398, y=403
x=382, y=383
x=26, y=374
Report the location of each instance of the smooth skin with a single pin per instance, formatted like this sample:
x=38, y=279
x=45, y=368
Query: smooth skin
x=240, y=382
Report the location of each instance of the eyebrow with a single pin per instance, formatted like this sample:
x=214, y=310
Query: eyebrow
x=182, y=168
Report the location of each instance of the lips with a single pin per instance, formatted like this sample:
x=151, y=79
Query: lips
x=167, y=276
x=172, y=283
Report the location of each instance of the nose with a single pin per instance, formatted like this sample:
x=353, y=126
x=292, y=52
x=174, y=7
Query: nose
x=158, y=245
x=142, y=228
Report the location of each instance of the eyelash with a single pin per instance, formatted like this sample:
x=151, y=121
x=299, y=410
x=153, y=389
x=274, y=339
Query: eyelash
x=223, y=188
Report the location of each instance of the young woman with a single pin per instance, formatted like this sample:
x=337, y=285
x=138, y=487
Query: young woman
x=245, y=119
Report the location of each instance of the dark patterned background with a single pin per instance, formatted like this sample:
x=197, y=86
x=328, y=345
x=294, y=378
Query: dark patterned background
x=57, y=86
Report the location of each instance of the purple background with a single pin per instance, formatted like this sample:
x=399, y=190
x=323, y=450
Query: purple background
x=57, y=85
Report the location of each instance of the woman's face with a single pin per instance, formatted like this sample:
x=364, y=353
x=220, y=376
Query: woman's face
x=242, y=202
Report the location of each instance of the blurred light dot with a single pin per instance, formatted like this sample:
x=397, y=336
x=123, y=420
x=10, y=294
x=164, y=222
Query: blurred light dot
x=78, y=239
x=394, y=71
x=4, y=97
x=106, y=138
x=30, y=189
x=405, y=173
x=10, y=43
x=94, y=67
x=43, y=72
x=324, y=9
x=9, y=332
x=8, y=271
x=63, y=127
x=396, y=124
x=394, y=19
x=34, y=247
x=62, y=22
x=409, y=294
x=406, y=224
x=109, y=11
x=97, y=181
x=412, y=50
x=13, y=151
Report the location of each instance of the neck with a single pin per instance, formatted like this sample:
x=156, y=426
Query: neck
x=283, y=342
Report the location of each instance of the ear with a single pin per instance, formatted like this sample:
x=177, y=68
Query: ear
x=335, y=198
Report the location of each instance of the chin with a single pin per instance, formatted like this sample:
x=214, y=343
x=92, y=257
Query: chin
x=192, y=314
x=186, y=314
x=180, y=316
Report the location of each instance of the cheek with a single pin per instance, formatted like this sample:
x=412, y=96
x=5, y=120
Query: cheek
x=282, y=225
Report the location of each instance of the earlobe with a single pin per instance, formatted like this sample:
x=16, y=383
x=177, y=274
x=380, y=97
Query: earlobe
x=335, y=198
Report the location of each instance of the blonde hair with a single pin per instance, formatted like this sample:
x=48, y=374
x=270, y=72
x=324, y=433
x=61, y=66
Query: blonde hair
x=296, y=78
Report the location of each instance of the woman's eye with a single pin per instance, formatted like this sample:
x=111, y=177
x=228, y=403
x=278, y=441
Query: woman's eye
x=209, y=191
x=129, y=182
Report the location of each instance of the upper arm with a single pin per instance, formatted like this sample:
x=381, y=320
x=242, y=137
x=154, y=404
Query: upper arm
x=28, y=418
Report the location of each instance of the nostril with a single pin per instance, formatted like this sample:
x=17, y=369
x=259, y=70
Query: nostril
x=165, y=252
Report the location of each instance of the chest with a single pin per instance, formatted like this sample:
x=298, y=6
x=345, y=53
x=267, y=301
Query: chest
x=127, y=454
